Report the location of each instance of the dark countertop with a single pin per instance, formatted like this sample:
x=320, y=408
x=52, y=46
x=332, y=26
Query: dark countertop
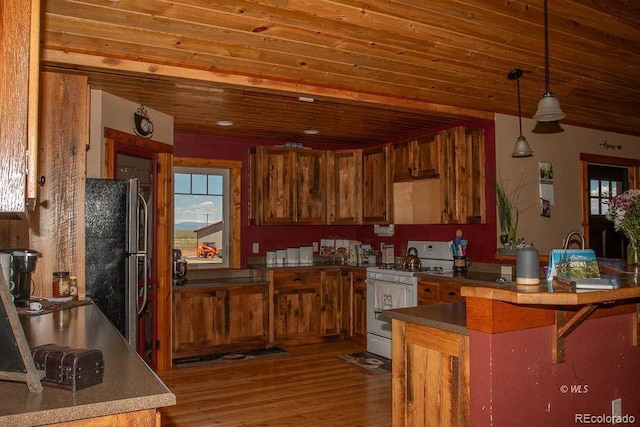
x=213, y=282
x=128, y=383
x=451, y=317
x=466, y=277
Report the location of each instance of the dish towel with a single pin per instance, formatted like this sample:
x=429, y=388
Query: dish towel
x=389, y=296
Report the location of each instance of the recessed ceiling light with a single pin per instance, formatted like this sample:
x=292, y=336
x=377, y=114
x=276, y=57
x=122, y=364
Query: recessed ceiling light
x=305, y=99
x=224, y=123
x=311, y=131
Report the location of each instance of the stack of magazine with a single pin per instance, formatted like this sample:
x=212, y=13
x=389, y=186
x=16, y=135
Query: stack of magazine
x=579, y=266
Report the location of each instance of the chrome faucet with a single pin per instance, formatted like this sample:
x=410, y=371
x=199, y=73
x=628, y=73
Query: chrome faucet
x=567, y=239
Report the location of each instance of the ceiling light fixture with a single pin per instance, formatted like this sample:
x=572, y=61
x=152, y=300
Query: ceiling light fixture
x=522, y=148
x=548, y=107
x=224, y=123
x=311, y=131
x=306, y=99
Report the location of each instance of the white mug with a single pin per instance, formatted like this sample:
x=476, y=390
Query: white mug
x=35, y=306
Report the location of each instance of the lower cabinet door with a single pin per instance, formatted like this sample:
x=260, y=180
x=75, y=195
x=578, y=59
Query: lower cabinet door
x=200, y=320
x=359, y=308
x=248, y=310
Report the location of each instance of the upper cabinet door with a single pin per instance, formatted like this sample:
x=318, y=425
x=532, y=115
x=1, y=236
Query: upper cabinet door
x=415, y=159
x=310, y=186
x=277, y=185
x=377, y=187
x=287, y=186
x=463, y=175
x=19, y=20
x=345, y=187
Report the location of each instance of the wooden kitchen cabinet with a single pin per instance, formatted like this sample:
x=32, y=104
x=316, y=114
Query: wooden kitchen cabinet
x=430, y=376
x=416, y=159
x=296, y=302
x=359, y=307
x=287, y=186
x=428, y=292
x=354, y=305
x=19, y=76
x=377, y=186
x=462, y=173
x=450, y=292
x=331, y=302
x=435, y=292
x=212, y=318
x=345, y=187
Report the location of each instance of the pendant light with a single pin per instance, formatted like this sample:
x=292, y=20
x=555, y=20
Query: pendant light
x=548, y=107
x=522, y=148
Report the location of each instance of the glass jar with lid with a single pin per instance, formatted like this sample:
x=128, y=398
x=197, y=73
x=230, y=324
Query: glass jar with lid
x=61, y=284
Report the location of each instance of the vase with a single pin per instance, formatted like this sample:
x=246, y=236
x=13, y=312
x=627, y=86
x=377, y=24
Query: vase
x=633, y=254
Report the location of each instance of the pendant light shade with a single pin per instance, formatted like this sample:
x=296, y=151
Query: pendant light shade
x=522, y=148
x=548, y=108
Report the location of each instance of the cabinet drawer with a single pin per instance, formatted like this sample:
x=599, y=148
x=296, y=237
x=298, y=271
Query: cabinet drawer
x=427, y=292
x=450, y=292
x=286, y=279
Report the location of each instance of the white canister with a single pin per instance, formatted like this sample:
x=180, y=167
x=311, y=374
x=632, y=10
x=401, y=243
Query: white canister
x=306, y=255
x=293, y=256
x=270, y=258
x=281, y=257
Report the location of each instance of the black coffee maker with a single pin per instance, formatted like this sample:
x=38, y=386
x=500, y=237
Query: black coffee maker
x=179, y=268
x=21, y=264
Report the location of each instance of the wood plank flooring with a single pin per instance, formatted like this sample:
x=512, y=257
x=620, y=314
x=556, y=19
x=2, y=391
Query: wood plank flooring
x=312, y=387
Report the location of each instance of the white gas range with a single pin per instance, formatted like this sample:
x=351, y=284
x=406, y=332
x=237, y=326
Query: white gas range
x=391, y=286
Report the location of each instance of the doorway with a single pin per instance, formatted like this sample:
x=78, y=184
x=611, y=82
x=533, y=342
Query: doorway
x=604, y=178
x=131, y=156
x=605, y=182
x=134, y=163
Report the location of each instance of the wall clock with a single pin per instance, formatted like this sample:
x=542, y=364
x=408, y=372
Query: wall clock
x=143, y=126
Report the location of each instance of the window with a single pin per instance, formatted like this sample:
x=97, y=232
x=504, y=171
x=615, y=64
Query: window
x=600, y=194
x=201, y=215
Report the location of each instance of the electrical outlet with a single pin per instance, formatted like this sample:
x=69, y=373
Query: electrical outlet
x=506, y=271
x=315, y=247
x=616, y=409
x=256, y=248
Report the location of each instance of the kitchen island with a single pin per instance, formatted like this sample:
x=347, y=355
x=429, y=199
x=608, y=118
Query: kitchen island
x=526, y=356
x=128, y=395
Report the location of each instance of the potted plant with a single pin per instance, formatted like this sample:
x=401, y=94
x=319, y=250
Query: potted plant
x=507, y=201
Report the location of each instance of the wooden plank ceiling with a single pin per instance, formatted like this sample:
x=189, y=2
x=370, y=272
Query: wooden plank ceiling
x=378, y=70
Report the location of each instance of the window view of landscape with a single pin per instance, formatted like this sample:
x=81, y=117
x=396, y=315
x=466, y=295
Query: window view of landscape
x=199, y=215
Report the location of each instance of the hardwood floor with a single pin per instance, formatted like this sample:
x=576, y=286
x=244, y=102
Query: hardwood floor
x=312, y=387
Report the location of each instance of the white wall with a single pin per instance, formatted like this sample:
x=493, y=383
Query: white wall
x=113, y=112
x=563, y=150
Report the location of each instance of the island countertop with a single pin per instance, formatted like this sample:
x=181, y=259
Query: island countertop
x=449, y=317
x=627, y=287
x=128, y=383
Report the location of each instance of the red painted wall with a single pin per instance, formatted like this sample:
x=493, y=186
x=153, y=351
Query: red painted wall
x=481, y=237
x=515, y=382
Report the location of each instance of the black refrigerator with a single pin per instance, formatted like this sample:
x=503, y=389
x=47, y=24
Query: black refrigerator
x=116, y=251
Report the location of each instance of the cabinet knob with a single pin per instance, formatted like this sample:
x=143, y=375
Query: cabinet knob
x=41, y=181
x=427, y=290
x=452, y=294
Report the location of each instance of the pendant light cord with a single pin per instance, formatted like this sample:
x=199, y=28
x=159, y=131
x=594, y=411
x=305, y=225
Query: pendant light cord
x=546, y=47
x=519, y=110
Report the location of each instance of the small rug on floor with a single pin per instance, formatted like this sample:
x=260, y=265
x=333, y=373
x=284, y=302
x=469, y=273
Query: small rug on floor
x=235, y=356
x=371, y=362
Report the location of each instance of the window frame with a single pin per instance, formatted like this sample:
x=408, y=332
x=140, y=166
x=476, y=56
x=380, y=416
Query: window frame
x=235, y=172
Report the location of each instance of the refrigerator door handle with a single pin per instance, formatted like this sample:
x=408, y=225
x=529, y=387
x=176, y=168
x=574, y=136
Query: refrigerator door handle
x=145, y=226
x=142, y=252
x=145, y=270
